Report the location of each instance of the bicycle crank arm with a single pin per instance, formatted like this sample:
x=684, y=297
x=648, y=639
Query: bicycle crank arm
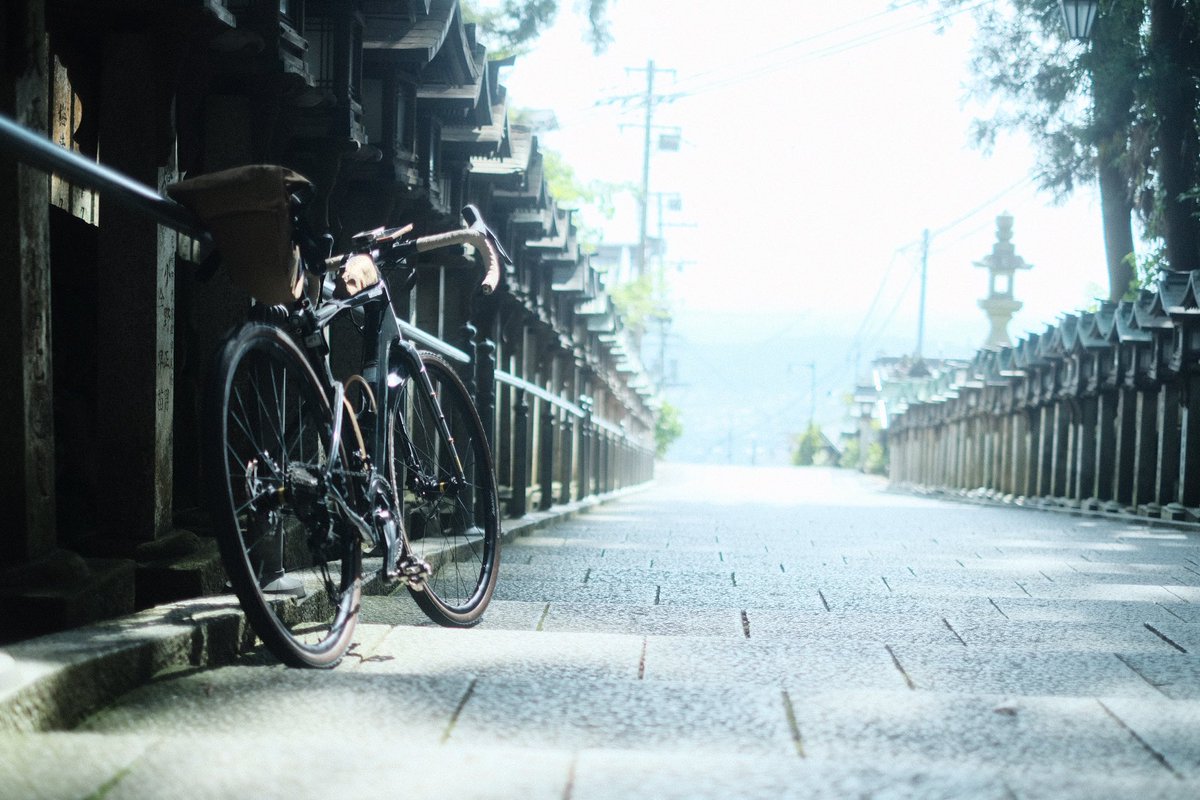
x=364, y=530
x=399, y=562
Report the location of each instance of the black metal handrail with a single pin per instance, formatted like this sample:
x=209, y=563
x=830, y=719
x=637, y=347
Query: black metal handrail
x=37, y=151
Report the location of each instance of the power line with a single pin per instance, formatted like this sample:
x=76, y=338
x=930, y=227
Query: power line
x=824, y=51
x=858, y=341
x=895, y=308
x=829, y=50
x=805, y=39
x=787, y=46
x=878, y=292
x=1028, y=179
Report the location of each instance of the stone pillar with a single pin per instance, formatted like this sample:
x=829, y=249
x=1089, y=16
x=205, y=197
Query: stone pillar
x=1106, y=446
x=485, y=389
x=26, y=391
x=1060, y=448
x=1166, y=474
x=135, y=303
x=1020, y=460
x=520, y=467
x=1045, y=450
x=1145, y=453
x=602, y=463
x=1189, y=445
x=586, y=431
x=1004, y=454
x=546, y=438
x=1126, y=428
x=42, y=587
x=567, y=455
x=1085, y=450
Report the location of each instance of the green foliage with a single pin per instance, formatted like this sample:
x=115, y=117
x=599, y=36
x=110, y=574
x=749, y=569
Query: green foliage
x=850, y=455
x=636, y=303
x=511, y=26
x=572, y=193
x=562, y=182
x=1145, y=270
x=667, y=428
x=1124, y=108
x=876, y=459
x=806, y=446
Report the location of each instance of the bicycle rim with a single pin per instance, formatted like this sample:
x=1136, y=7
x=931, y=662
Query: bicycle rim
x=296, y=575
x=455, y=528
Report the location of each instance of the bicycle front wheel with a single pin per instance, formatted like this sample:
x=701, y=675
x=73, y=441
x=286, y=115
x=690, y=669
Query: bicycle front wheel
x=452, y=524
x=269, y=424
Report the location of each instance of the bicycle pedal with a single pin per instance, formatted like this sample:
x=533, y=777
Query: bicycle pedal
x=414, y=571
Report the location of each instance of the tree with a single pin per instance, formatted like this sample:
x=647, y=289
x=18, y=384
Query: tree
x=571, y=193
x=668, y=427
x=807, y=446
x=1121, y=110
x=1172, y=103
x=635, y=303
x=515, y=24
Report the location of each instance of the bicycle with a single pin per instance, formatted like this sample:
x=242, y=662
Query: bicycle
x=318, y=486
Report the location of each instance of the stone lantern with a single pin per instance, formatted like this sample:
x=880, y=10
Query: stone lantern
x=1001, y=264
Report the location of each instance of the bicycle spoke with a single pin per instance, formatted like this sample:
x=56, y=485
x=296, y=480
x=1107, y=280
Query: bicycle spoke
x=274, y=532
x=451, y=529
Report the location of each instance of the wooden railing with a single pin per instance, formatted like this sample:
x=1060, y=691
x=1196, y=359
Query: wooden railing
x=1100, y=412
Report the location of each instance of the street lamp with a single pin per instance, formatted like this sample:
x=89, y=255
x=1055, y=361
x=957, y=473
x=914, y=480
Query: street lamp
x=1079, y=16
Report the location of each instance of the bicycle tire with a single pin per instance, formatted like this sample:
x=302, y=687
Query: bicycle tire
x=295, y=571
x=457, y=532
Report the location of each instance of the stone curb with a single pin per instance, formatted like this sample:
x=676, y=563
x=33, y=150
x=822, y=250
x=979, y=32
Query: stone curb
x=981, y=498
x=55, y=681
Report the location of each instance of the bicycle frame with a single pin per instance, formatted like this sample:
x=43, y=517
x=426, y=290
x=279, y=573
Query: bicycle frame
x=401, y=363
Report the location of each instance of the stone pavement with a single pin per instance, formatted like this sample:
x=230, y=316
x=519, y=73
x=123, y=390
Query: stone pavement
x=728, y=633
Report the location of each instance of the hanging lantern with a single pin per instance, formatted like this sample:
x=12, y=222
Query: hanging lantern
x=1078, y=15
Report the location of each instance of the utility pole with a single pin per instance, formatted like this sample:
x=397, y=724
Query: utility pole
x=645, y=208
x=650, y=99
x=921, y=307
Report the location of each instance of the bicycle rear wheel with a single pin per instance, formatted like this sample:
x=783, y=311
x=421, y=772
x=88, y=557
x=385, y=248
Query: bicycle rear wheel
x=294, y=570
x=456, y=528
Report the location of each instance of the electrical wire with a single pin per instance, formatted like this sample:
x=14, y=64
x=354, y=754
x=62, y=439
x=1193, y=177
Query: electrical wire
x=789, y=45
x=805, y=39
x=826, y=51
x=985, y=205
x=635, y=100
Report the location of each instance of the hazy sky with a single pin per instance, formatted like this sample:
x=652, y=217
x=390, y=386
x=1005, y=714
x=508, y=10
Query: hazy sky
x=819, y=139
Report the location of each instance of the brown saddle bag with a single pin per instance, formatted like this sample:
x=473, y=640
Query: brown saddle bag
x=248, y=211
